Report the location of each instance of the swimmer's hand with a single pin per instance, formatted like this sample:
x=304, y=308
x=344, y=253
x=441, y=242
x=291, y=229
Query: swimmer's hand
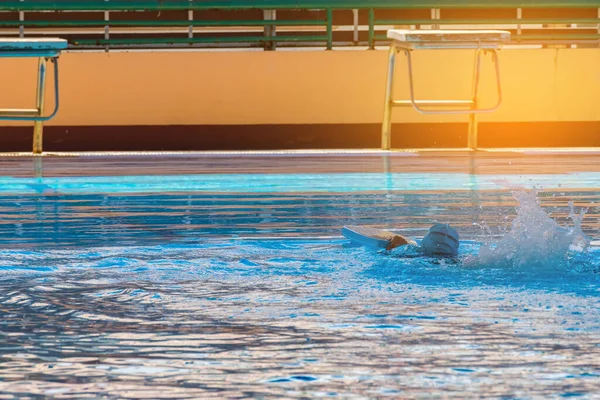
x=375, y=238
x=397, y=241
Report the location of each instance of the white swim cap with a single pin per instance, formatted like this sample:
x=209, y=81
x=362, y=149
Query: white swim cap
x=441, y=240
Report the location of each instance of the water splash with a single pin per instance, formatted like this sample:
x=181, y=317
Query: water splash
x=534, y=240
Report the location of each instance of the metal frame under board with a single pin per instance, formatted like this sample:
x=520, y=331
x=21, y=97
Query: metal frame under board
x=407, y=40
x=44, y=50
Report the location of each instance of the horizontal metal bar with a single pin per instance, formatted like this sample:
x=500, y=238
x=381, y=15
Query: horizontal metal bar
x=555, y=36
x=226, y=39
x=434, y=103
x=480, y=21
x=298, y=44
x=525, y=36
x=160, y=23
x=233, y=23
x=17, y=112
x=164, y=5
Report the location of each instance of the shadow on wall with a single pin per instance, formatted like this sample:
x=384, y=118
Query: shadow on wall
x=272, y=137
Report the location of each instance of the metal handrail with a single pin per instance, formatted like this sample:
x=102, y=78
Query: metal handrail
x=227, y=36
x=166, y=23
x=292, y=23
x=166, y=5
x=41, y=118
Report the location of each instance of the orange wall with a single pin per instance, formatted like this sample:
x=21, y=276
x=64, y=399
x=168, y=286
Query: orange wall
x=300, y=87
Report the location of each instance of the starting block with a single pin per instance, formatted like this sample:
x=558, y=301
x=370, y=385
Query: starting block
x=44, y=50
x=407, y=40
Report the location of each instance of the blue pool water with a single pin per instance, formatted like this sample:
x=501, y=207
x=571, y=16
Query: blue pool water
x=224, y=278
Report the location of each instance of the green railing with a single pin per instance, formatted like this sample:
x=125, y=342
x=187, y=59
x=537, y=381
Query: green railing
x=329, y=23
x=163, y=5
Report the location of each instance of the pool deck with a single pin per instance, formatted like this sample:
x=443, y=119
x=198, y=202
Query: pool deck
x=488, y=161
x=574, y=150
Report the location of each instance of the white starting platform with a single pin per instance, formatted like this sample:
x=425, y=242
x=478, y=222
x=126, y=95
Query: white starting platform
x=407, y=40
x=44, y=50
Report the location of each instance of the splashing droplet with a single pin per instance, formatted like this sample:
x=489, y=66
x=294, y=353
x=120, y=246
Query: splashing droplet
x=535, y=240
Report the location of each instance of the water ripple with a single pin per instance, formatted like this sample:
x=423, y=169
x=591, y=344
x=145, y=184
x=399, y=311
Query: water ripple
x=355, y=323
x=221, y=295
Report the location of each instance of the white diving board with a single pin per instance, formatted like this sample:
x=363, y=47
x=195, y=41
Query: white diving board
x=50, y=47
x=443, y=39
x=44, y=49
x=407, y=40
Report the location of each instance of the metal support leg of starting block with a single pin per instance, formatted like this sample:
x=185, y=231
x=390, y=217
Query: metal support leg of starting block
x=472, y=133
x=38, y=127
x=433, y=106
x=386, y=130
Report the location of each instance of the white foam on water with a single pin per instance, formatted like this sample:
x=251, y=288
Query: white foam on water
x=534, y=240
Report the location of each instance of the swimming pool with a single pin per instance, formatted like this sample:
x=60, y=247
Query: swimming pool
x=226, y=276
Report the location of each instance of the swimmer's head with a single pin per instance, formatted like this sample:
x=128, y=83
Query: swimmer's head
x=441, y=241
